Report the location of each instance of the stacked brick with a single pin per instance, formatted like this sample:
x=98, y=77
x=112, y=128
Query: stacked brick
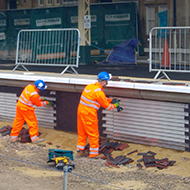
x=107, y=147
x=119, y=160
x=6, y=130
x=23, y=135
x=148, y=158
x=150, y=161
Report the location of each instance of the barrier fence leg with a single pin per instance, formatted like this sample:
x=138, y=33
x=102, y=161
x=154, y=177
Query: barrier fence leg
x=65, y=69
x=156, y=76
x=74, y=70
x=18, y=66
x=68, y=68
x=65, y=170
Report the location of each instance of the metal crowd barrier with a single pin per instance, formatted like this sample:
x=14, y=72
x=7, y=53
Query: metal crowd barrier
x=48, y=47
x=169, y=50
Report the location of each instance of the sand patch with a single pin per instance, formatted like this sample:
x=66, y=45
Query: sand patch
x=38, y=173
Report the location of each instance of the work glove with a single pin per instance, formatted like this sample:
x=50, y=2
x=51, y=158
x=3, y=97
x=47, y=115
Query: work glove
x=114, y=100
x=51, y=103
x=119, y=109
x=43, y=99
x=116, y=104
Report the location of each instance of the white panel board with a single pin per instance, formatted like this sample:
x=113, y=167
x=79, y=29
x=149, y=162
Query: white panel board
x=45, y=115
x=149, y=122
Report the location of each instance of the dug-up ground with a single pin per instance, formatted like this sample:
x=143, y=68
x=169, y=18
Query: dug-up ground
x=23, y=166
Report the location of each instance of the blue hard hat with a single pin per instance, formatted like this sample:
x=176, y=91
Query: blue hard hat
x=40, y=84
x=104, y=76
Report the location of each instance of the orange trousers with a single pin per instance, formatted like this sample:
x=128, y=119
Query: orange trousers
x=87, y=127
x=24, y=114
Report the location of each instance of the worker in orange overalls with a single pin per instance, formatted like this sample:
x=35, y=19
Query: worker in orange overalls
x=25, y=111
x=91, y=100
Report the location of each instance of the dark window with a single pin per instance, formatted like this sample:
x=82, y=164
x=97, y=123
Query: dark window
x=12, y=4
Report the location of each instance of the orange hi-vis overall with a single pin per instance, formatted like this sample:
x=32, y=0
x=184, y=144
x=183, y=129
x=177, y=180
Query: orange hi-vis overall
x=91, y=100
x=25, y=112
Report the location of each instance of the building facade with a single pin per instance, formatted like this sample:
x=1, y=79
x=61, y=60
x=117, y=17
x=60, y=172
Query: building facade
x=175, y=12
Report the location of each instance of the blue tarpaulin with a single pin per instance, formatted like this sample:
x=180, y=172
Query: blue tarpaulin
x=123, y=53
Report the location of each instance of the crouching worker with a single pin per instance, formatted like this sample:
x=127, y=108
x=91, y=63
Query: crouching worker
x=91, y=100
x=25, y=111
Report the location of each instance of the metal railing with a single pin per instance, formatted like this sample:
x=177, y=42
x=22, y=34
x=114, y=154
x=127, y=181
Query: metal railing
x=169, y=50
x=48, y=47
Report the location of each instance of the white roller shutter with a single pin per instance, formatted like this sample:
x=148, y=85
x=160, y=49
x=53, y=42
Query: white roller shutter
x=46, y=115
x=155, y=123
x=7, y=106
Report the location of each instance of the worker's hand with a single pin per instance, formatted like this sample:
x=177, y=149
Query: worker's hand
x=119, y=109
x=43, y=99
x=116, y=104
x=114, y=100
x=51, y=103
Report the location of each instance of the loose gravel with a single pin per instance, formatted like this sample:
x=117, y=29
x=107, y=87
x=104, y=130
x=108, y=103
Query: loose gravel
x=25, y=167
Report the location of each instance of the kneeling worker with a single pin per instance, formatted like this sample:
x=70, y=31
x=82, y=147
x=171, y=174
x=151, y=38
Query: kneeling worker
x=25, y=111
x=91, y=100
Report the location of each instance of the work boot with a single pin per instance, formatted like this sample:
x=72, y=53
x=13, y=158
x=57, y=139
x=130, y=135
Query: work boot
x=98, y=156
x=38, y=141
x=14, y=140
x=82, y=153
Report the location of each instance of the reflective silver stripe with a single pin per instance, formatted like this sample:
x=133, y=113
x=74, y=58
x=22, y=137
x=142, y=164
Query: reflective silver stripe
x=43, y=103
x=108, y=107
x=89, y=105
x=87, y=91
x=93, y=152
x=33, y=93
x=27, y=102
x=14, y=137
x=78, y=146
x=94, y=102
x=26, y=90
x=94, y=149
x=34, y=137
x=98, y=89
x=26, y=99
